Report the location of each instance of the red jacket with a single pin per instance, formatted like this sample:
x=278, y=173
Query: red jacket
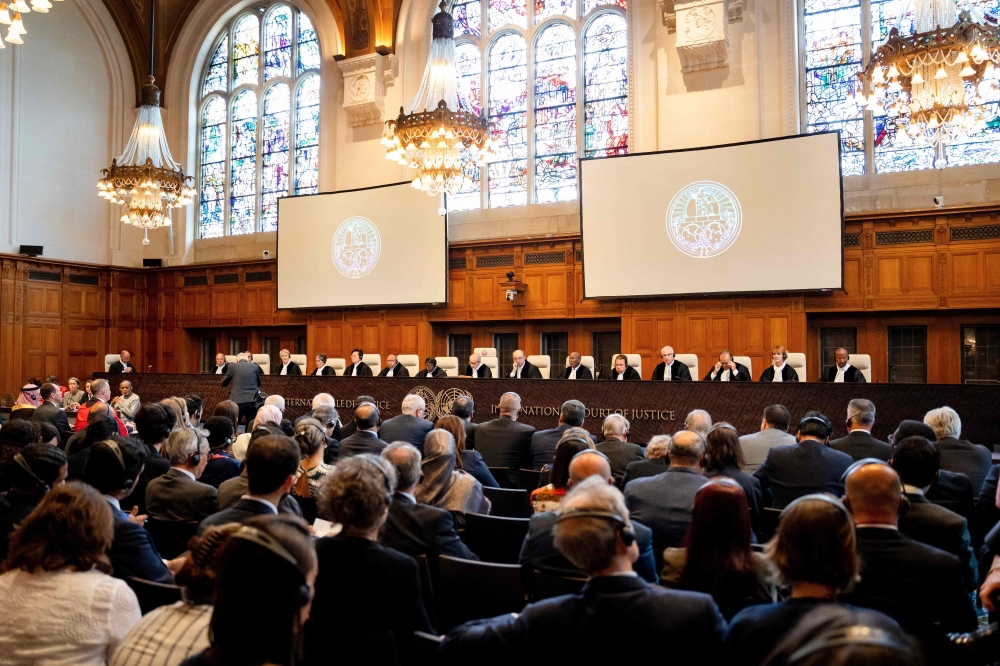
x=84, y=412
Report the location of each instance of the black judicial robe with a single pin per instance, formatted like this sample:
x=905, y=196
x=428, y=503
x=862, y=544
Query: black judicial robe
x=742, y=374
x=484, y=372
x=327, y=372
x=293, y=369
x=678, y=372
x=851, y=376
x=630, y=374
x=582, y=372
x=400, y=371
x=436, y=373
x=528, y=371
x=363, y=370
x=788, y=374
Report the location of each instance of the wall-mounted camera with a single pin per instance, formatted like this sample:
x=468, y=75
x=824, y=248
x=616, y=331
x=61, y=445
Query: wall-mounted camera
x=511, y=294
x=939, y=202
x=267, y=254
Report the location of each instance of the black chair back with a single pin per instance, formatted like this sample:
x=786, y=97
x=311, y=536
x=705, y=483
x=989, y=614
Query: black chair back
x=171, y=537
x=495, y=538
x=502, y=476
x=470, y=590
x=508, y=502
x=153, y=595
x=528, y=479
x=309, y=508
x=426, y=583
x=769, y=523
x=547, y=584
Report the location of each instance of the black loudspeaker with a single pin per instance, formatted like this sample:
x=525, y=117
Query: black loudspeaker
x=30, y=250
x=152, y=263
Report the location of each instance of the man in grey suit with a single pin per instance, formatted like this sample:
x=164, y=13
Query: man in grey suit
x=245, y=378
x=178, y=496
x=503, y=442
x=410, y=426
x=859, y=442
x=51, y=411
x=365, y=438
x=616, y=445
x=543, y=442
x=773, y=432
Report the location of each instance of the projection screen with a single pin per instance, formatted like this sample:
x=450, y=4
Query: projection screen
x=753, y=217
x=385, y=245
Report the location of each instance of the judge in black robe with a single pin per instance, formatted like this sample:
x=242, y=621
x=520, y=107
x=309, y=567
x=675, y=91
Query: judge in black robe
x=322, y=369
x=481, y=371
x=788, y=374
x=737, y=371
x=623, y=368
x=582, y=371
x=362, y=368
x=397, y=368
x=431, y=369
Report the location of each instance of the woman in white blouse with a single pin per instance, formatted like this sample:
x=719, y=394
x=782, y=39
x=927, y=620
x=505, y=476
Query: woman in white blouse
x=59, y=603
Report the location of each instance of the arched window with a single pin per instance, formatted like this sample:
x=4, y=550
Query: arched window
x=838, y=38
x=553, y=81
x=259, y=121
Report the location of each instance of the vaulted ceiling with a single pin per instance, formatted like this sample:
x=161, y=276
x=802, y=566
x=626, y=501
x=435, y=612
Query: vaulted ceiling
x=363, y=25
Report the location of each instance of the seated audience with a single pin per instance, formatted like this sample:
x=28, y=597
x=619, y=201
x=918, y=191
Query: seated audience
x=543, y=442
x=32, y=473
x=959, y=455
x=221, y=466
x=773, y=432
x=859, y=443
x=431, y=369
x=48, y=434
x=813, y=553
x=126, y=404
x=268, y=415
x=27, y=400
x=101, y=427
x=615, y=611
x=196, y=408
x=60, y=605
x=100, y=391
x=383, y=585
x=699, y=421
x=616, y=445
x=14, y=436
x=468, y=459
x=278, y=401
x=271, y=467
x=229, y=410
x=261, y=623
x=779, y=371
x=178, y=496
x=464, y=408
x=808, y=466
x=548, y=497
x=503, y=442
x=349, y=429
x=539, y=548
x=74, y=397
x=168, y=635
x=321, y=369
x=393, y=368
x=726, y=369
x=410, y=426
x=50, y=411
x=179, y=407
x=622, y=371
x=444, y=485
x=412, y=528
x=366, y=437
x=312, y=470
x=654, y=463
x=664, y=502
x=952, y=490
x=724, y=457
x=329, y=419
x=716, y=557
x=154, y=423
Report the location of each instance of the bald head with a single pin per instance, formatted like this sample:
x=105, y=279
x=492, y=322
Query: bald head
x=687, y=449
x=874, y=495
x=585, y=465
x=510, y=405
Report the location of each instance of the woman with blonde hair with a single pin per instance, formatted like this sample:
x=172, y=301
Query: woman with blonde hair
x=74, y=397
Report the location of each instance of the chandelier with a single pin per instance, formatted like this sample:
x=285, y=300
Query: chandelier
x=19, y=7
x=145, y=178
x=935, y=82
x=433, y=135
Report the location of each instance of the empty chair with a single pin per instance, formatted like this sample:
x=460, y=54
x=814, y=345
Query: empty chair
x=153, y=595
x=114, y=358
x=494, y=538
x=691, y=361
x=547, y=584
x=502, y=476
x=449, y=364
x=797, y=361
x=264, y=361
x=491, y=362
x=411, y=362
x=508, y=502
x=543, y=362
x=373, y=361
x=469, y=590
x=528, y=479
x=171, y=537
x=863, y=362
x=338, y=364
x=301, y=360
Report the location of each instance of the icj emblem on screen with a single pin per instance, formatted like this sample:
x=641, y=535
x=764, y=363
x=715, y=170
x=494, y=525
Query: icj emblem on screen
x=356, y=246
x=704, y=219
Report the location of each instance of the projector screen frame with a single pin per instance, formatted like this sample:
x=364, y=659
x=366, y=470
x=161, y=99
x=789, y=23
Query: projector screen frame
x=277, y=273
x=840, y=173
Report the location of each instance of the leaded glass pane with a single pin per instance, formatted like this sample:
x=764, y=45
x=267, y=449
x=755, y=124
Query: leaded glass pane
x=507, y=12
x=246, y=50
x=508, y=94
x=545, y=8
x=213, y=168
x=243, y=172
x=274, y=154
x=308, y=46
x=278, y=43
x=468, y=66
x=307, y=136
x=468, y=17
x=605, y=74
x=594, y=4
x=217, y=78
x=468, y=195
x=555, y=114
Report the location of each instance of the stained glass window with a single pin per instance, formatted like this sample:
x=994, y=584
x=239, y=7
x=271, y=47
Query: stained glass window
x=508, y=81
x=555, y=114
x=261, y=142
x=594, y=4
x=507, y=12
x=545, y=8
x=468, y=17
x=468, y=65
x=605, y=75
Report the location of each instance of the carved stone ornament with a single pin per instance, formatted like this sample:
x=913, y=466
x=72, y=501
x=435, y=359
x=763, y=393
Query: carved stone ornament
x=702, y=34
x=733, y=11
x=365, y=80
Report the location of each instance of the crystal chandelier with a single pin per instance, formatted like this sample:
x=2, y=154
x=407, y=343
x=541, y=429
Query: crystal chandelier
x=934, y=83
x=16, y=25
x=145, y=178
x=433, y=135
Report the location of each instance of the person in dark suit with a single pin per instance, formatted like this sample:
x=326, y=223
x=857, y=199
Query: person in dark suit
x=843, y=372
x=412, y=528
x=220, y=367
x=113, y=468
x=410, y=426
x=677, y=370
x=859, y=443
x=917, y=460
x=918, y=585
x=539, y=549
x=321, y=369
x=728, y=370
x=503, y=442
x=153, y=423
x=522, y=368
x=654, y=463
x=952, y=490
x=959, y=455
x=221, y=465
x=365, y=439
x=272, y=465
x=616, y=447
x=779, y=371
x=357, y=368
x=622, y=371
x=464, y=408
x=664, y=502
x=122, y=364
x=724, y=457
x=393, y=368
x=31, y=473
x=431, y=369
x=287, y=367
x=349, y=429
x=51, y=411
x=595, y=532
x=178, y=496
x=543, y=442
x=808, y=466
x=477, y=369
x=245, y=378
x=575, y=369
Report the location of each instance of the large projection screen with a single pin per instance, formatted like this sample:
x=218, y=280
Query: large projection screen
x=754, y=217
x=384, y=245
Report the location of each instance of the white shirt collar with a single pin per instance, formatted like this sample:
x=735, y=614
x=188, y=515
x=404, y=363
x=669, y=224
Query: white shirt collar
x=184, y=471
x=392, y=372
x=854, y=430
x=572, y=372
x=912, y=490
x=879, y=526
x=409, y=496
x=263, y=501
x=113, y=501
